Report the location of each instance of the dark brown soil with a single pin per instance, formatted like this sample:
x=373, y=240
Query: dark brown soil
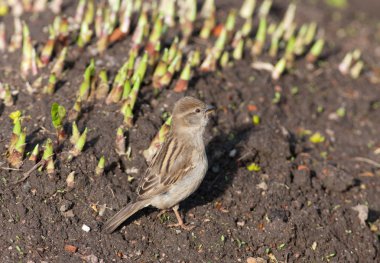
x=298, y=208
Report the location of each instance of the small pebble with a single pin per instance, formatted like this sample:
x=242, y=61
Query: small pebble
x=333, y=116
x=262, y=186
x=240, y=223
x=86, y=228
x=68, y=213
x=314, y=246
x=132, y=170
x=26, y=187
x=65, y=205
x=255, y=260
x=232, y=153
x=102, y=209
x=215, y=169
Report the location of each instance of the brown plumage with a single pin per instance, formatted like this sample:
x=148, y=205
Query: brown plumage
x=178, y=167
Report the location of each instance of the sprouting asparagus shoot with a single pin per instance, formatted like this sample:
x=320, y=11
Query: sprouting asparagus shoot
x=279, y=69
x=75, y=133
x=120, y=142
x=315, y=51
x=79, y=145
x=100, y=167
x=47, y=157
x=58, y=113
x=15, y=157
x=34, y=155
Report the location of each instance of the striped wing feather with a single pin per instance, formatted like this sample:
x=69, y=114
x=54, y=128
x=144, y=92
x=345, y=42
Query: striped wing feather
x=168, y=166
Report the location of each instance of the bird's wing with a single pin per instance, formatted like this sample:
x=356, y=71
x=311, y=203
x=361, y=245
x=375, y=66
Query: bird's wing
x=170, y=164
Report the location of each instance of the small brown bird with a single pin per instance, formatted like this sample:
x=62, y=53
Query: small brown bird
x=177, y=169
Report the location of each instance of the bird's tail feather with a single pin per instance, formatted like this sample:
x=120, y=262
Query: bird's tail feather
x=123, y=215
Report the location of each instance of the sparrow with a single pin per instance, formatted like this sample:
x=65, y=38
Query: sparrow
x=178, y=167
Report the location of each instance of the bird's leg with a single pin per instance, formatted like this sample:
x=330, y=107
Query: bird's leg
x=180, y=221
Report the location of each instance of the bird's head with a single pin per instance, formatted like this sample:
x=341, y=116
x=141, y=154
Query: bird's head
x=190, y=115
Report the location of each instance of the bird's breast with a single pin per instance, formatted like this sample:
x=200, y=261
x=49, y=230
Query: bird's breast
x=184, y=187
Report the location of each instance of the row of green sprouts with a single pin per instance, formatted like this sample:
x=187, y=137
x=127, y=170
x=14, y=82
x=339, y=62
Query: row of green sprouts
x=20, y=7
x=44, y=159
x=148, y=23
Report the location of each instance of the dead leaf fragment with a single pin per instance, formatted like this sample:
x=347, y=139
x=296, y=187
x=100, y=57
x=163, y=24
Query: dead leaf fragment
x=256, y=260
x=366, y=174
x=120, y=254
x=302, y=167
x=70, y=180
x=251, y=107
x=90, y=259
x=71, y=248
x=314, y=246
x=363, y=213
x=218, y=205
x=94, y=207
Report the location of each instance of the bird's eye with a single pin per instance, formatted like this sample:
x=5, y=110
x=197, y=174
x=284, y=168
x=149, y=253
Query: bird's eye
x=197, y=110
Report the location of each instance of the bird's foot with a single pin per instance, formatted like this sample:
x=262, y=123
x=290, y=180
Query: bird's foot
x=180, y=221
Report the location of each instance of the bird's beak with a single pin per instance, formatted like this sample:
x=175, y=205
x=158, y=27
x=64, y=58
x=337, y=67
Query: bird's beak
x=210, y=109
